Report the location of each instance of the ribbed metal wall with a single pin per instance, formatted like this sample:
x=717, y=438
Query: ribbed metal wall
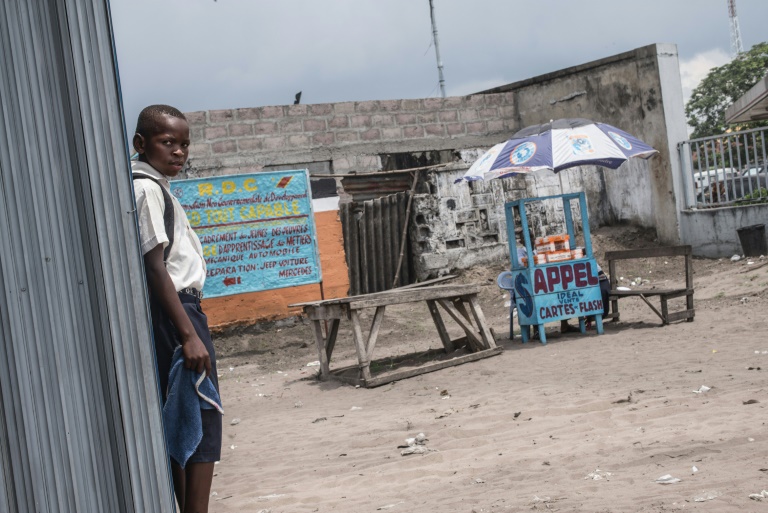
x=80, y=427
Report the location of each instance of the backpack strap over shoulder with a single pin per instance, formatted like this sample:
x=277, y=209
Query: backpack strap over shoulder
x=168, y=217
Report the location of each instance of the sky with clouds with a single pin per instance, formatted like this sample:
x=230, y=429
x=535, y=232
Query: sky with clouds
x=218, y=54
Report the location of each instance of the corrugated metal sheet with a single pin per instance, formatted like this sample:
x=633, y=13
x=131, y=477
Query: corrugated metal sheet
x=364, y=187
x=372, y=234
x=80, y=427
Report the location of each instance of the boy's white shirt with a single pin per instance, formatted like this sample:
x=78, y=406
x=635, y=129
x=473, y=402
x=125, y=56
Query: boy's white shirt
x=185, y=264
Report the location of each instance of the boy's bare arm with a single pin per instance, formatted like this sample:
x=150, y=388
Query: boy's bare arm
x=195, y=354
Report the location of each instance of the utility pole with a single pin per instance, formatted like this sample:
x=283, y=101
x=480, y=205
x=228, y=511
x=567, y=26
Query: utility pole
x=736, y=46
x=437, y=49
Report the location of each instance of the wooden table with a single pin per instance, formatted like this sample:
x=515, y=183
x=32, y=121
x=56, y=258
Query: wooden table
x=459, y=301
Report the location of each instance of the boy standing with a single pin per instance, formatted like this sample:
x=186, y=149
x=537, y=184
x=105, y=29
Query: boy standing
x=175, y=268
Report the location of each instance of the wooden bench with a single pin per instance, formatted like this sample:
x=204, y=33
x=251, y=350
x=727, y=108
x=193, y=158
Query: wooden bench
x=664, y=294
x=460, y=302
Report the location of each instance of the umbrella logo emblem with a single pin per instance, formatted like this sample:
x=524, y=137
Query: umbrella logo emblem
x=522, y=153
x=621, y=141
x=581, y=144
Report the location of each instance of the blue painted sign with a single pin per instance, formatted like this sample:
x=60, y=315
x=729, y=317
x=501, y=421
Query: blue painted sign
x=257, y=230
x=554, y=292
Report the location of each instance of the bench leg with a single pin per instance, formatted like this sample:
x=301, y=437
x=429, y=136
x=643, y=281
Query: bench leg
x=599, y=323
x=542, y=334
x=689, y=306
x=525, y=333
x=582, y=325
x=322, y=353
x=664, y=311
x=364, y=363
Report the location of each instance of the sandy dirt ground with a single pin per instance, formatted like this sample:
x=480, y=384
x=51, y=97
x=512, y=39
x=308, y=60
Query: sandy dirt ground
x=583, y=423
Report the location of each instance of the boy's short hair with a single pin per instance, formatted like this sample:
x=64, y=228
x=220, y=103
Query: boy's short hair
x=149, y=118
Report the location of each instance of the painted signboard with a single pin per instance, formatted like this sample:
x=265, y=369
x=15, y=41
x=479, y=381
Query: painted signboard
x=257, y=230
x=555, y=292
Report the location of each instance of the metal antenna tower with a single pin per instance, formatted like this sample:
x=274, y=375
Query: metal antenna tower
x=437, y=49
x=736, y=46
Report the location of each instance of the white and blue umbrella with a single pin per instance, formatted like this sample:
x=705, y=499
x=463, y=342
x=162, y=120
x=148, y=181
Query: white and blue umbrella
x=558, y=145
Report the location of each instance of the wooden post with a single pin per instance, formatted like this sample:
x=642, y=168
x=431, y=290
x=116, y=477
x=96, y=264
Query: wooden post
x=405, y=229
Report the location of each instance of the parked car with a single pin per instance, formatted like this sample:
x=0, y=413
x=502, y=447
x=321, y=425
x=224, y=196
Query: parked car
x=705, y=179
x=753, y=171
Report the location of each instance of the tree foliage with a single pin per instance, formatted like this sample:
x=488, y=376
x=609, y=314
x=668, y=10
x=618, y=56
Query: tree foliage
x=721, y=88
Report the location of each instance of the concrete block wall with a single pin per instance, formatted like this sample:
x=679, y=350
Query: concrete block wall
x=351, y=135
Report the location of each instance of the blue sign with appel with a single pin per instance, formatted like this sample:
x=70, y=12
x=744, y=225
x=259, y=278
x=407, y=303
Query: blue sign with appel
x=257, y=230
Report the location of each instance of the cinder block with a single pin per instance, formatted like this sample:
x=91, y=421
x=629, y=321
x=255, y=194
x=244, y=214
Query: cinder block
x=224, y=147
x=347, y=137
x=389, y=105
x=343, y=164
x=406, y=119
x=433, y=103
x=434, y=261
x=247, y=114
x=360, y=121
x=410, y=105
x=413, y=132
x=250, y=144
x=382, y=120
x=195, y=118
x=448, y=115
x=265, y=127
x=452, y=101
x=274, y=143
x=215, y=132
x=373, y=134
x=220, y=116
x=323, y=139
x=427, y=117
x=290, y=126
x=240, y=129
x=392, y=134
x=344, y=108
x=435, y=130
x=478, y=127
x=314, y=125
x=298, y=141
x=468, y=115
x=370, y=106
x=368, y=162
x=297, y=110
x=320, y=109
x=465, y=216
x=480, y=200
x=489, y=113
x=496, y=125
x=509, y=97
x=274, y=111
x=199, y=150
x=477, y=100
x=196, y=133
x=507, y=112
x=455, y=128
x=338, y=122
x=494, y=99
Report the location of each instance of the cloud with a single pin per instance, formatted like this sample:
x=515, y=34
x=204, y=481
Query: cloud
x=693, y=70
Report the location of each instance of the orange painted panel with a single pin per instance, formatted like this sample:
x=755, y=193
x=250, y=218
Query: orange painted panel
x=269, y=305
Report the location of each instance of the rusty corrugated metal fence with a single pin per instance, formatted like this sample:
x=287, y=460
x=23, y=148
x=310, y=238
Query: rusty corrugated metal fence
x=372, y=234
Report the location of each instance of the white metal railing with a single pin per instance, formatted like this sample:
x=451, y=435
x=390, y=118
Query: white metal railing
x=724, y=170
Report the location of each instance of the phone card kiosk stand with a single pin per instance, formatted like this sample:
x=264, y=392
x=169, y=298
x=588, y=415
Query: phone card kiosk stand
x=556, y=282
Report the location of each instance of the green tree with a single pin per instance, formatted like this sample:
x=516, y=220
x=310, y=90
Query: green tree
x=721, y=87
